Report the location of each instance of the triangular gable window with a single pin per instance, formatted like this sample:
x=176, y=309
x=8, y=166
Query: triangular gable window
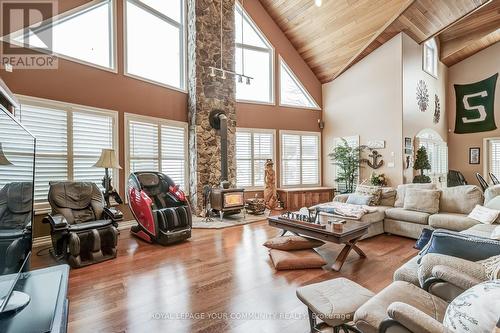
x=292, y=92
x=84, y=34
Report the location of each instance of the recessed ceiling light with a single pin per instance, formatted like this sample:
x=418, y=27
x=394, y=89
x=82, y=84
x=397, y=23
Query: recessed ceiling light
x=318, y=2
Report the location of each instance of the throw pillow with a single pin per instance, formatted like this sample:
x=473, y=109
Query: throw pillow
x=296, y=259
x=290, y=243
x=374, y=191
x=357, y=199
x=424, y=238
x=388, y=197
x=493, y=203
x=401, y=191
x=484, y=215
x=461, y=245
x=420, y=200
x=475, y=310
x=491, y=267
x=495, y=234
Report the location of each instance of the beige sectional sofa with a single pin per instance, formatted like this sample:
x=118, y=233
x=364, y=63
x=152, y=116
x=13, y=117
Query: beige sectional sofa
x=455, y=204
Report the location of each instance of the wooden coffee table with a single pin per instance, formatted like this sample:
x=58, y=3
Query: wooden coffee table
x=348, y=234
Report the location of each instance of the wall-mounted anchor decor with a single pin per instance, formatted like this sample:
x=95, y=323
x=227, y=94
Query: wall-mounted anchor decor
x=374, y=163
x=422, y=96
x=437, y=109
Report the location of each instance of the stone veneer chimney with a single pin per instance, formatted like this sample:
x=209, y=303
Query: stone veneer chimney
x=207, y=93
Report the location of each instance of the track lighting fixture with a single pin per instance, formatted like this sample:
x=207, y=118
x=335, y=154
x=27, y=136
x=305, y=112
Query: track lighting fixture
x=240, y=79
x=212, y=71
x=248, y=80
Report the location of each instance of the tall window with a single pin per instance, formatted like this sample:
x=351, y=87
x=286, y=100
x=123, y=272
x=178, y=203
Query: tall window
x=255, y=58
x=253, y=148
x=155, y=41
x=292, y=92
x=70, y=139
x=85, y=34
x=492, y=146
x=430, y=56
x=300, y=161
x=155, y=144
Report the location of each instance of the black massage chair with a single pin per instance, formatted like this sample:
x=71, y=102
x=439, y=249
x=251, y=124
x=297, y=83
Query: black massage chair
x=15, y=225
x=83, y=231
x=159, y=207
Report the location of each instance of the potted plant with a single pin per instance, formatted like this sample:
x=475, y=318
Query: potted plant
x=422, y=163
x=378, y=180
x=348, y=161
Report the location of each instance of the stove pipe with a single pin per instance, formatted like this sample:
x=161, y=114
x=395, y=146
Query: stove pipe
x=218, y=121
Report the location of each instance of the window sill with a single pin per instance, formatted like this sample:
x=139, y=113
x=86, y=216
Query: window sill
x=314, y=108
x=244, y=101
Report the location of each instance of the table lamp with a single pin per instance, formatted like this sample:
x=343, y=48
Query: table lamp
x=107, y=161
x=3, y=158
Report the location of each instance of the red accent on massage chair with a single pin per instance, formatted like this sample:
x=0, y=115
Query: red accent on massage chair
x=140, y=204
x=160, y=208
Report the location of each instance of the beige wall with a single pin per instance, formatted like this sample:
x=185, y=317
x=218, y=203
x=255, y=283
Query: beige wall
x=413, y=119
x=366, y=100
x=476, y=68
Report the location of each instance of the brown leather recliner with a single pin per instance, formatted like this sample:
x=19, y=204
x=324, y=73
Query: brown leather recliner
x=83, y=230
x=15, y=225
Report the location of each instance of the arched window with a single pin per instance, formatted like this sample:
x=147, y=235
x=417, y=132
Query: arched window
x=437, y=150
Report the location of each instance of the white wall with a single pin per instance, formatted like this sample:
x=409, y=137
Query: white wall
x=366, y=100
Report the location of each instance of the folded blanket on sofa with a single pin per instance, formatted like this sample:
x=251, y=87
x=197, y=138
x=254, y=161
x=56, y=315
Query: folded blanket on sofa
x=344, y=209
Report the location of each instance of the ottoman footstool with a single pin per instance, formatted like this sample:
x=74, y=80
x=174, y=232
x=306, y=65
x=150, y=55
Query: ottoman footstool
x=334, y=303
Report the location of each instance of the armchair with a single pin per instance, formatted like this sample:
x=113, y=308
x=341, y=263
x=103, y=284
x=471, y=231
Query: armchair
x=15, y=225
x=82, y=229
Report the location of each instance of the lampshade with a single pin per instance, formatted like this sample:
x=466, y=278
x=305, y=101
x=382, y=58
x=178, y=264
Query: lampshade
x=3, y=158
x=108, y=160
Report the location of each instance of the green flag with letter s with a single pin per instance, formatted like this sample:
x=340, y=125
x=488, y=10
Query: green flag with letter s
x=475, y=103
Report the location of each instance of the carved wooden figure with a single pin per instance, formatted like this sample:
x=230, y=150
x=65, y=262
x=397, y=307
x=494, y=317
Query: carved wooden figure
x=270, y=196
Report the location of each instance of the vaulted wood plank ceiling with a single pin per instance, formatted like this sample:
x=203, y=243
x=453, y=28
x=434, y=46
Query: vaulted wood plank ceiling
x=472, y=34
x=333, y=37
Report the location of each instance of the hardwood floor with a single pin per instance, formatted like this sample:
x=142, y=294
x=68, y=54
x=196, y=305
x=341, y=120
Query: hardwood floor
x=215, y=282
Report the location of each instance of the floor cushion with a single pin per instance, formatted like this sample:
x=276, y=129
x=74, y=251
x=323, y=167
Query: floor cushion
x=290, y=243
x=300, y=259
x=451, y=221
x=401, y=214
x=369, y=316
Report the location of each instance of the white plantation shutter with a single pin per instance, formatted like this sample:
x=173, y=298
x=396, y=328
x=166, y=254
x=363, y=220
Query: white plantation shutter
x=144, y=146
x=243, y=159
x=92, y=132
x=156, y=145
x=49, y=126
x=17, y=146
x=173, y=147
x=494, y=157
x=300, y=159
x=263, y=149
x=253, y=148
x=290, y=146
x=69, y=142
x=310, y=160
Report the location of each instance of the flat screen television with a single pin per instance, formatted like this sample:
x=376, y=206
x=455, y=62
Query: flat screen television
x=17, y=175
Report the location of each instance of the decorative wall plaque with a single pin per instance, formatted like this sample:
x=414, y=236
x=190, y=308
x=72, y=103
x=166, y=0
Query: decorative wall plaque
x=422, y=96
